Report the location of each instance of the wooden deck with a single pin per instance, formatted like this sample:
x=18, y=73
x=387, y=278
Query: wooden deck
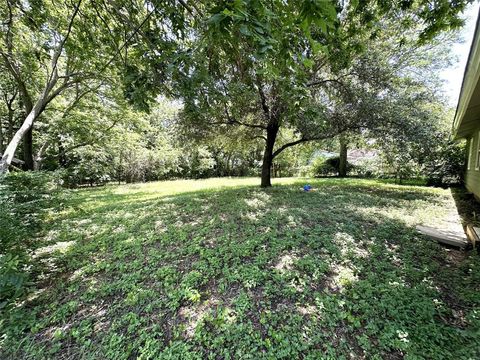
x=452, y=237
x=446, y=230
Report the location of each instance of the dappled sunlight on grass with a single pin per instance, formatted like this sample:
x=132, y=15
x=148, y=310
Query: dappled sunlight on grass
x=221, y=267
x=285, y=262
x=344, y=276
x=62, y=246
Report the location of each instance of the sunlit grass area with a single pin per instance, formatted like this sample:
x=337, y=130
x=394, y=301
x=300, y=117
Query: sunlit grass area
x=220, y=268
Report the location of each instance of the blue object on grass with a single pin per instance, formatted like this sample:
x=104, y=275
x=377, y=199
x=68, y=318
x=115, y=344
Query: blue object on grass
x=307, y=187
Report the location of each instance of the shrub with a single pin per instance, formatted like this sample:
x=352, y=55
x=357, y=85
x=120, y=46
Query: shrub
x=304, y=171
x=201, y=163
x=371, y=168
x=448, y=166
x=25, y=197
x=90, y=166
x=328, y=167
x=12, y=279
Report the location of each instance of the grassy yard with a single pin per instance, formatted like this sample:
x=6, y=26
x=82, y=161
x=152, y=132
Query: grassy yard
x=222, y=269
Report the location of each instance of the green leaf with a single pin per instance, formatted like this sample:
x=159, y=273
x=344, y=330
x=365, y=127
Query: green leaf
x=308, y=63
x=245, y=30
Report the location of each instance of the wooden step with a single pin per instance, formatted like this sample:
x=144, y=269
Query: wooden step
x=450, y=237
x=473, y=234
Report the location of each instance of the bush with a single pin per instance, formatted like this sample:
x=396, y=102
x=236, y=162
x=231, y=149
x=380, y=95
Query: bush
x=25, y=187
x=90, y=166
x=13, y=279
x=25, y=197
x=328, y=167
x=370, y=168
x=304, y=171
x=201, y=163
x=448, y=167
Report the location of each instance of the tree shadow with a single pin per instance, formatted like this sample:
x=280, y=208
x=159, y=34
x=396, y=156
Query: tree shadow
x=467, y=206
x=275, y=273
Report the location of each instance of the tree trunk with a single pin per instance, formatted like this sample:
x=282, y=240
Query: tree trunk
x=25, y=130
x=1, y=137
x=10, y=132
x=228, y=169
x=37, y=165
x=342, y=166
x=6, y=137
x=272, y=131
x=15, y=141
x=28, y=149
x=62, y=159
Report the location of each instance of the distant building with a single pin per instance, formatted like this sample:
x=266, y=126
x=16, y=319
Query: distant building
x=357, y=156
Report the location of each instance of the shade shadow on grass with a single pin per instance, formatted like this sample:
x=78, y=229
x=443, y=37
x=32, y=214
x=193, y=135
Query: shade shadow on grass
x=468, y=208
x=244, y=272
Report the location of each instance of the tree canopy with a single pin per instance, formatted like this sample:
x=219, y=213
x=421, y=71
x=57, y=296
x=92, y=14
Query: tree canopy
x=316, y=69
x=249, y=74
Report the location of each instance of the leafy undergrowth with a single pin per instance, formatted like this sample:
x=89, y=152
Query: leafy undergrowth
x=222, y=269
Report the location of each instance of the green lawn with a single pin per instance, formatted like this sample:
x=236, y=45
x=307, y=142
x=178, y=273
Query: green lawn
x=220, y=268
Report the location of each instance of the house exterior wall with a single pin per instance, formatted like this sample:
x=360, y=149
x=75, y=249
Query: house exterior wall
x=472, y=175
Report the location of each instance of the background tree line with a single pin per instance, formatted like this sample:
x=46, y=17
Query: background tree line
x=138, y=91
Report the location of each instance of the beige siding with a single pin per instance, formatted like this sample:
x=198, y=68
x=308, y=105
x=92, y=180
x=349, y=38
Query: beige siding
x=472, y=176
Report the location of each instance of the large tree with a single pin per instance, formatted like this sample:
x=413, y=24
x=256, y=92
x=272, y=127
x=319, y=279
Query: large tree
x=269, y=65
x=51, y=48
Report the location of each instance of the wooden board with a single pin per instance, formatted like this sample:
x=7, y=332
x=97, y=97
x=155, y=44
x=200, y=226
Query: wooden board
x=477, y=232
x=449, y=237
x=473, y=234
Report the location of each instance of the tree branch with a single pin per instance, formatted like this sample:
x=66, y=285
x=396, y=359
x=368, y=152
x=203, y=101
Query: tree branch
x=290, y=144
x=188, y=8
x=324, y=81
x=9, y=23
x=104, y=21
x=232, y=120
x=15, y=72
x=263, y=98
x=326, y=135
x=127, y=40
x=260, y=137
x=85, y=143
x=59, y=49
